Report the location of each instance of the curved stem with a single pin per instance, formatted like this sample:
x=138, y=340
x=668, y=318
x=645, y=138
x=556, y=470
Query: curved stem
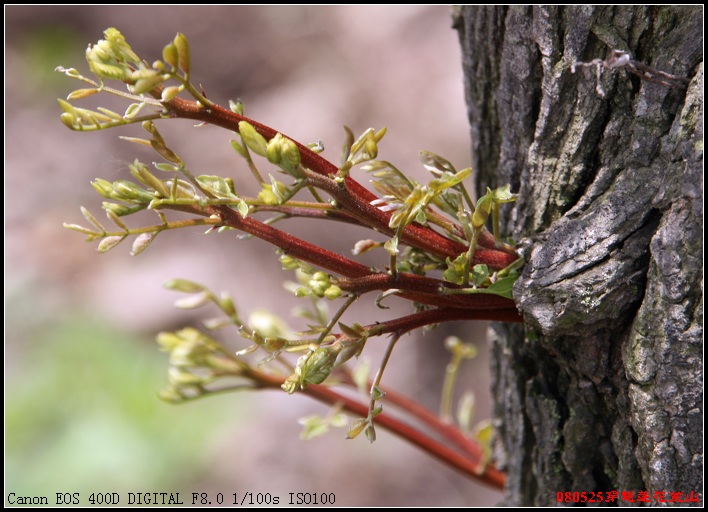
x=487, y=306
x=446, y=430
x=467, y=464
x=350, y=195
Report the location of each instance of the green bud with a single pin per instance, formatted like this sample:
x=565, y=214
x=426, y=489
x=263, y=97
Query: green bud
x=109, y=243
x=236, y=107
x=370, y=433
x=267, y=196
x=482, y=210
x=69, y=120
x=128, y=191
x=275, y=344
x=248, y=350
x=333, y=292
x=392, y=246
x=380, y=134
x=455, y=269
x=146, y=83
x=213, y=324
x=81, y=93
x=284, y=153
x=110, y=71
x=102, y=51
x=355, y=331
x=288, y=262
x=165, y=167
x=317, y=365
x=182, y=46
x=357, y=428
x=181, y=189
x=268, y=325
x=377, y=394
x=480, y=275
x=320, y=276
x=254, y=140
x=119, y=45
x=243, y=208
x=133, y=110
x=170, y=55
x=317, y=147
x=182, y=354
x=452, y=342
x=106, y=115
x=436, y=164
x=66, y=106
x=142, y=242
x=183, y=285
x=279, y=189
x=226, y=303
x=502, y=194
x=319, y=288
x=116, y=220
x=348, y=352
x=218, y=186
x=119, y=209
x=169, y=93
x=314, y=426
x=302, y=292
x=291, y=384
x=168, y=340
x=194, y=349
x=363, y=246
x=239, y=149
x=179, y=377
x=89, y=217
x=371, y=148
x=165, y=152
x=70, y=72
x=143, y=174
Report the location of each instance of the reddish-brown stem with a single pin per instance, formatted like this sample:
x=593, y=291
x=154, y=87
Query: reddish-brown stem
x=359, y=278
x=479, y=306
x=439, y=315
x=350, y=195
x=470, y=465
x=291, y=245
x=355, y=201
x=448, y=431
x=424, y=285
x=310, y=213
x=414, y=234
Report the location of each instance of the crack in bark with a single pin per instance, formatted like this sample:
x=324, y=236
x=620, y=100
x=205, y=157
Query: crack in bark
x=607, y=294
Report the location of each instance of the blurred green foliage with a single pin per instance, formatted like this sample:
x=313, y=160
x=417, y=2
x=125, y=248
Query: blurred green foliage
x=41, y=49
x=80, y=415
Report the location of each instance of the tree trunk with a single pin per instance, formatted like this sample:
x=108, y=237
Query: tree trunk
x=602, y=389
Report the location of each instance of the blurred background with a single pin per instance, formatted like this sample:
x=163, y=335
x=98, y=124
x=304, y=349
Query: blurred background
x=82, y=369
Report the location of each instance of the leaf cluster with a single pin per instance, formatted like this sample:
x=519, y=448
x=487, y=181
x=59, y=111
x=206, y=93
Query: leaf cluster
x=440, y=255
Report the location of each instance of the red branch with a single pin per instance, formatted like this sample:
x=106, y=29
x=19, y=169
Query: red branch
x=416, y=288
x=470, y=464
x=355, y=201
x=350, y=195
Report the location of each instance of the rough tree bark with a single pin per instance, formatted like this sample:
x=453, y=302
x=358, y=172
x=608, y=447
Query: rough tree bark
x=602, y=390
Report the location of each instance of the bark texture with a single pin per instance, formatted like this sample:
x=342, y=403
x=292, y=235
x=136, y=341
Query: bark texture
x=602, y=390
